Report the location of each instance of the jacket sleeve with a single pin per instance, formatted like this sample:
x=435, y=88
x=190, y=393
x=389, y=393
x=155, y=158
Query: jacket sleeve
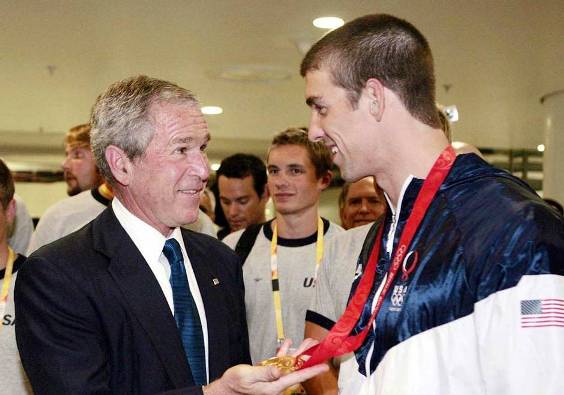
x=57, y=333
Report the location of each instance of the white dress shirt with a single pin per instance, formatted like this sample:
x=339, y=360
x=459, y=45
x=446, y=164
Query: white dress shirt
x=150, y=243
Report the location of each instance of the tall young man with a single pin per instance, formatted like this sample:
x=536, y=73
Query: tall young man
x=282, y=263
x=469, y=262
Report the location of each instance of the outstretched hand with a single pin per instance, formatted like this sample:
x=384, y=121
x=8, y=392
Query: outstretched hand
x=263, y=380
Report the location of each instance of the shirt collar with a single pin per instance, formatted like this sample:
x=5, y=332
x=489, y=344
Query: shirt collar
x=148, y=240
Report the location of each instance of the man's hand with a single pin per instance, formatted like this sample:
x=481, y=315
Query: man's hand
x=262, y=380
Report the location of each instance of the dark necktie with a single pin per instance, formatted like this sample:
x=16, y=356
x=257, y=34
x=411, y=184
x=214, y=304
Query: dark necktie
x=186, y=313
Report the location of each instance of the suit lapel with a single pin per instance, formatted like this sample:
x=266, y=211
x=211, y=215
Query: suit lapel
x=211, y=292
x=143, y=294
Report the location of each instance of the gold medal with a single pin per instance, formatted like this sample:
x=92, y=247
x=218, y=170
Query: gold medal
x=286, y=364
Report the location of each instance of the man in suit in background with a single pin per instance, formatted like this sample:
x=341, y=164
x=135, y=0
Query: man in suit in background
x=131, y=303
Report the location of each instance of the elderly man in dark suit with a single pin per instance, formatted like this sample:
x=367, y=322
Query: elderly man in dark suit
x=131, y=303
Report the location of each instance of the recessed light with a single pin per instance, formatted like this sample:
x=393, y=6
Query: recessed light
x=212, y=110
x=215, y=166
x=540, y=147
x=328, y=22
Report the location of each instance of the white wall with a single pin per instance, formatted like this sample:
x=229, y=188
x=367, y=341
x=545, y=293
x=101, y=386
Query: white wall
x=38, y=196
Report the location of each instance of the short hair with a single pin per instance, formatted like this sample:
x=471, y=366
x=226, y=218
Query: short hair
x=383, y=47
x=78, y=136
x=318, y=153
x=244, y=165
x=7, y=188
x=121, y=116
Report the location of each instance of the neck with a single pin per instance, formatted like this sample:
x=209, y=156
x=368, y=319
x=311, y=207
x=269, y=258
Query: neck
x=417, y=158
x=3, y=255
x=297, y=226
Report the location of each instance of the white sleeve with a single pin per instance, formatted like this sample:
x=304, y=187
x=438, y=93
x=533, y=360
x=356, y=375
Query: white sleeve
x=520, y=334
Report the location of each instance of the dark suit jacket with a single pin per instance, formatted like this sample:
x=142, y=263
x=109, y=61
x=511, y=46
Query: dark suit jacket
x=92, y=317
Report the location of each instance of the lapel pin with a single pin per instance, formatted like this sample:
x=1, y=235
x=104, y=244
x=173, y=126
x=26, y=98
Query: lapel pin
x=215, y=281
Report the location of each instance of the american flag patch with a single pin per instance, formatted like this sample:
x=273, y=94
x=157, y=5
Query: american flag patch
x=538, y=313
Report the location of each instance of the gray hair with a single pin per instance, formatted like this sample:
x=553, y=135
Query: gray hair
x=120, y=116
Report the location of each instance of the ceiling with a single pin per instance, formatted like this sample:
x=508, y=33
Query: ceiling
x=494, y=59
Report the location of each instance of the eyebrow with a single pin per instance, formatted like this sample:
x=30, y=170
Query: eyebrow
x=189, y=139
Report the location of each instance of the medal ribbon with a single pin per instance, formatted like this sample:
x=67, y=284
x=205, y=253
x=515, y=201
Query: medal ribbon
x=274, y=271
x=7, y=281
x=339, y=341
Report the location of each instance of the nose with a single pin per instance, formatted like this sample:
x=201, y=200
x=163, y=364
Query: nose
x=278, y=181
x=65, y=163
x=233, y=210
x=201, y=166
x=315, y=131
x=364, y=206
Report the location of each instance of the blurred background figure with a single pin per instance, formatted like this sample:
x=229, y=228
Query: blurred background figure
x=79, y=167
x=360, y=203
x=207, y=203
x=241, y=185
x=19, y=234
x=12, y=377
x=461, y=147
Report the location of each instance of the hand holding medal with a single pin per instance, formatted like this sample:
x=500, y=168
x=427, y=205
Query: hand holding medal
x=290, y=363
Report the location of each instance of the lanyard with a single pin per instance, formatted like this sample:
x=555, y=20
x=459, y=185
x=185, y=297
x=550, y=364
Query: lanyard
x=7, y=281
x=338, y=341
x=274, y=271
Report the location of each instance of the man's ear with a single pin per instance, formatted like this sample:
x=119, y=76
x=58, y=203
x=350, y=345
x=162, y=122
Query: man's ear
x=325, y=180
x=11, y=211
x=10, y=214
x=376, y=98
x=119, y=163
x=265, y=194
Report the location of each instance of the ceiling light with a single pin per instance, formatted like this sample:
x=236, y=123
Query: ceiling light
x=540, y=147
x=212, y=110
x=328, y=22
x=215, y=166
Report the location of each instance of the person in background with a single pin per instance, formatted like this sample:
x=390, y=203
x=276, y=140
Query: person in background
x=12, y=377
x=241, y=185
x=476, y=254
x=22, y=229
x=79, y=167
x=298, y=171
x=207, y=203
x=360, y=203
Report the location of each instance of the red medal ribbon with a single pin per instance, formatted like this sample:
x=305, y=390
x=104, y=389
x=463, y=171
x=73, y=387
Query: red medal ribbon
x=338, y=342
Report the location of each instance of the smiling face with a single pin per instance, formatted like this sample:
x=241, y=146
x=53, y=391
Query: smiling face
x=164, y=185
x=292, y=181
x=363, y=204
x=344, y=129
